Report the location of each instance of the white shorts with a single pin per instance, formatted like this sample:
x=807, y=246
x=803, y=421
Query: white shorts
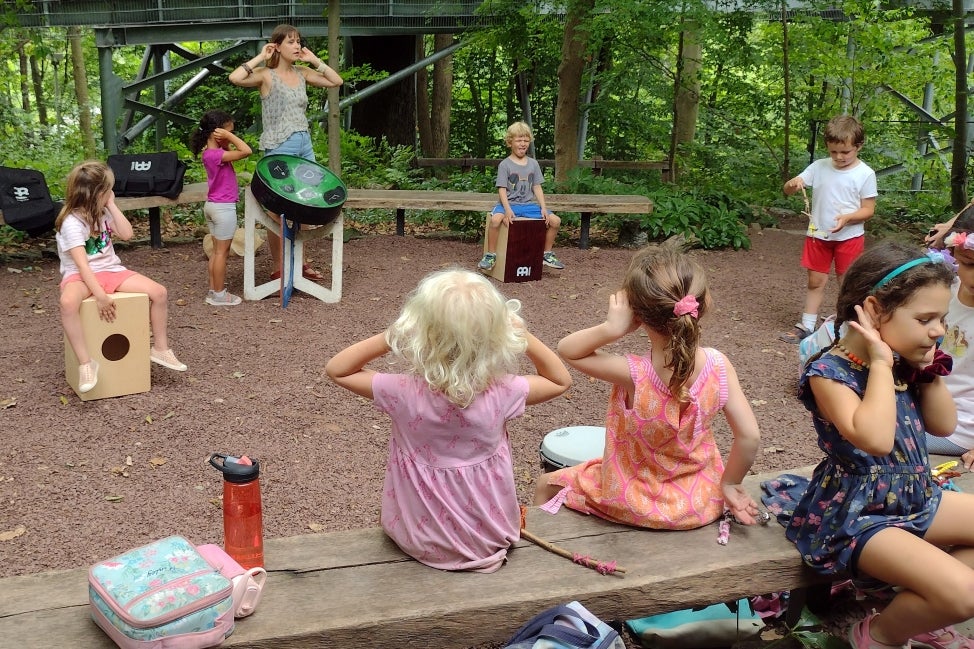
x=221, y=218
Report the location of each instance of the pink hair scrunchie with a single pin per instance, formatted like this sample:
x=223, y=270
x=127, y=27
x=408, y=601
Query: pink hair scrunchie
x=687, y=305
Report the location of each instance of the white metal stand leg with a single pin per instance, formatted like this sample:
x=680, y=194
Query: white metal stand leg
x=254, y=213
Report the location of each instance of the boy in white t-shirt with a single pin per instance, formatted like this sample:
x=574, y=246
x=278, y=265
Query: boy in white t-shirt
x=844, y=198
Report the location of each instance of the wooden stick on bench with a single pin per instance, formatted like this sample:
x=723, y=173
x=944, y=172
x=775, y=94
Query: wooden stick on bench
x=601, y=567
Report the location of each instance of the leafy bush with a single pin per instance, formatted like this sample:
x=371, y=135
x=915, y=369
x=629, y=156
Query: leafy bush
x=712, y=219
x=10, y=236
x=368, y=165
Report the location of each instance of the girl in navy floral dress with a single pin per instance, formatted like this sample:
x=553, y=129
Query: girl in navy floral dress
x=872, y=508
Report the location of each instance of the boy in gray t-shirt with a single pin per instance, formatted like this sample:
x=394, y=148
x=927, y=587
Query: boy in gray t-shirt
x=519, y=179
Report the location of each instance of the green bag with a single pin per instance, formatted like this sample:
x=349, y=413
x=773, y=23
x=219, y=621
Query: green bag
x=719, y=625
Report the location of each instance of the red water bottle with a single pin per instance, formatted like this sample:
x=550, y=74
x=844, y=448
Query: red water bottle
x=243, y=535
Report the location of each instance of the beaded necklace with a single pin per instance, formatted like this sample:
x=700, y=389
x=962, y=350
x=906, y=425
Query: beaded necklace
x=852, y=357
x=898, y=384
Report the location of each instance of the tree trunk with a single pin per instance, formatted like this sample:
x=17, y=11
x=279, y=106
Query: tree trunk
x=423, y=120
x=433, y=119
x=686, y=95
x=391, y=113
x=958, y=163
x=573, y=49
x=442, y=97
x=37, y=79
x=785, y=73
x=24, y=76
x=81, y=92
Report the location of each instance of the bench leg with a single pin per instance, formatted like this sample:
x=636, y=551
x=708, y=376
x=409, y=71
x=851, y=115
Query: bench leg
x=155, y=227
x=583, y=233
x=400, y=221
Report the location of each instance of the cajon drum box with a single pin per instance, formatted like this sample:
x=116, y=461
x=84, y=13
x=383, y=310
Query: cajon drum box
x=121, y=348
x=520, y=251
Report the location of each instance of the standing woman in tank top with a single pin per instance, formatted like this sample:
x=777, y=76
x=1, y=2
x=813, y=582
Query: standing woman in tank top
x=284, y=104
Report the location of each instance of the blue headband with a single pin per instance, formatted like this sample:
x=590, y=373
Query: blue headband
x=932, y=257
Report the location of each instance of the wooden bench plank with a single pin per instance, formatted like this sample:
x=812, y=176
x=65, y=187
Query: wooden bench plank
x=403, y=199
x=356, y=589
x=598, y=164
x=484, y=201
x=586, y=204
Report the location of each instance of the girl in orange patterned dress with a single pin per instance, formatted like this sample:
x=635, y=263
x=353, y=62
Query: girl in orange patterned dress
x=661, y=467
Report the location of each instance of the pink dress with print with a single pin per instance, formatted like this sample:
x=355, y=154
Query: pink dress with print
x=449, y=498
x=660, y=469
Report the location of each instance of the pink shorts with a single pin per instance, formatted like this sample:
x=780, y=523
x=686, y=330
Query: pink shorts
x=110, y=281
x=818, y=254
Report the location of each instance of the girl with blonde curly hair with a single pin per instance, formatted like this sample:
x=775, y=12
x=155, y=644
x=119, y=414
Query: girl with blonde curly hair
x=450, y=499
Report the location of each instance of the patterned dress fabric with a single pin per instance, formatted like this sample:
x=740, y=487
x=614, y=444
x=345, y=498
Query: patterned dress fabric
x=661, y=467
x=449, y=499
x=853, y=495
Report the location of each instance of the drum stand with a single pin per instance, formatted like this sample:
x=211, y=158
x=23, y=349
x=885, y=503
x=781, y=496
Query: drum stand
x=292, y=260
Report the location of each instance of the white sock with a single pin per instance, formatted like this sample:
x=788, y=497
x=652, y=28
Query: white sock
x=809, y=320
x=220, y=293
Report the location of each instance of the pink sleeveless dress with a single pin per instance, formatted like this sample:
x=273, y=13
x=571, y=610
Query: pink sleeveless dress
x=660, y=469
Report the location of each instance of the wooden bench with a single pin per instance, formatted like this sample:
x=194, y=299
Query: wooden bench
x=192, y=193
x=596, y=164
x=357, y=589
x=402, y=200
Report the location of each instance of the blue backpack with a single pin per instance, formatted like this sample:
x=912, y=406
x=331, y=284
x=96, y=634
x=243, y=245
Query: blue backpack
x=570, y=626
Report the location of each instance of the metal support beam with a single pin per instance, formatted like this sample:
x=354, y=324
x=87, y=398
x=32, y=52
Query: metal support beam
x=398, y=76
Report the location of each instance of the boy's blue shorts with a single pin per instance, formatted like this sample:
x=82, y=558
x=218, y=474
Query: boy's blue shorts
x=521, y=210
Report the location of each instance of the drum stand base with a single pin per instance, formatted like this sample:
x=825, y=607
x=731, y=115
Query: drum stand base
x=292, y=261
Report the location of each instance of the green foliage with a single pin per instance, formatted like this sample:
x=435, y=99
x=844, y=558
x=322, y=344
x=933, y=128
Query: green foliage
x=809, y=634
x=372, y=165
x=10, y=236
x=864, y=62
x=715, y=219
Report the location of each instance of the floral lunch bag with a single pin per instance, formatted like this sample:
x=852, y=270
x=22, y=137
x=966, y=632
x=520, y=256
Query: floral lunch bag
x=164, y=595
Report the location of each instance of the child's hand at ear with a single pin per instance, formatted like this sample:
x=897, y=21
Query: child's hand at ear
x=620, y=319
x=879, y=351
x=740, y=503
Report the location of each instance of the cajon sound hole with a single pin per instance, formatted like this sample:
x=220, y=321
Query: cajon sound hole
x=115, y=347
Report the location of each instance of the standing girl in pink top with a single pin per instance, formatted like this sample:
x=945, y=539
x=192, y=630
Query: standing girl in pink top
x=220, y=148
x=661, y=467
x=449, y=498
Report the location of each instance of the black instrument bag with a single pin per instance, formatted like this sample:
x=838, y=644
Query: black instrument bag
x=147, y=174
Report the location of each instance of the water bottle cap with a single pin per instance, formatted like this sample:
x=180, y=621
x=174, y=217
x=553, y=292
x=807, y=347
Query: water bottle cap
x=236, y=469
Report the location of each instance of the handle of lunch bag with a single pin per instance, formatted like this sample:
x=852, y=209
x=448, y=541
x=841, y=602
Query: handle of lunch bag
x=545, y=626
x=569, y=635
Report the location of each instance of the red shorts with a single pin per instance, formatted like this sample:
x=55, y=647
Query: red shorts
x=110, y=281
x=818, y=254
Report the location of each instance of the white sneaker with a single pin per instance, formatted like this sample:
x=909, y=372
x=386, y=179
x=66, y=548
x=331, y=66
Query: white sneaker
x=227, y=299
x=87, y=376
x=166, y=359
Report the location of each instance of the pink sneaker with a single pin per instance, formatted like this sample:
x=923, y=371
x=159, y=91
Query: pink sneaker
x=166, y=359
x=87, y=376
x=860, y=638
x=945, y=638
